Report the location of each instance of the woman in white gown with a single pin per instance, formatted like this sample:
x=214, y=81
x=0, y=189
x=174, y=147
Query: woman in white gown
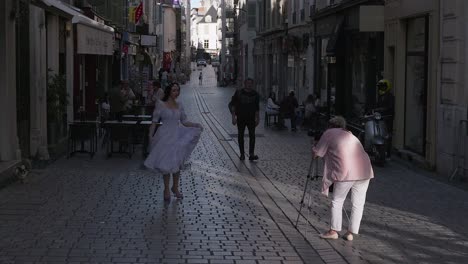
x=173, y=141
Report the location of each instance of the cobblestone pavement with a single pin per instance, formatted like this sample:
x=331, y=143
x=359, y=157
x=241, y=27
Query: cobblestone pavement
x=99, y=210
x=409, y=218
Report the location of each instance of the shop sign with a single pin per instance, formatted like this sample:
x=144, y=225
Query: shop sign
x=94, y=41
x=371, y=19
x=149, y=40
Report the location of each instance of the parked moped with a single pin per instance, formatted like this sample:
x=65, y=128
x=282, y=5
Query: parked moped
x=376, y=137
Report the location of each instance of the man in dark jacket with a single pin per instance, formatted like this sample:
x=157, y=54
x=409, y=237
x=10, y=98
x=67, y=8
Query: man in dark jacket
x=288, y=109
x=245, y=106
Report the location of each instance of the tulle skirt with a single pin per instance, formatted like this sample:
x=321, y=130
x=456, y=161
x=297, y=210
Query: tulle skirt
x=171, y=148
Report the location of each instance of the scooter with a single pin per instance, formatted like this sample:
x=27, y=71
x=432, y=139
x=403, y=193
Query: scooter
x=376, y=136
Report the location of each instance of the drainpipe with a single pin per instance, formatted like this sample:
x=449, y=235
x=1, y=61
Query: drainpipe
x=223, y=40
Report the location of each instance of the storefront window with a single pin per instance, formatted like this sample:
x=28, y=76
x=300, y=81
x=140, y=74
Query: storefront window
x=416, y=85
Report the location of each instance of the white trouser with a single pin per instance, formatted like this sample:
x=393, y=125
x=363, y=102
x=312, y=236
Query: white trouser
x=358, y=199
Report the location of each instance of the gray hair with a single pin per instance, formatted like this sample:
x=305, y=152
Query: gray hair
x=337, y=122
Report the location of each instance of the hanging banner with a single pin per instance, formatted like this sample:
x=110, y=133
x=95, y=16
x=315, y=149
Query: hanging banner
x=138, y=12
x=131, y=14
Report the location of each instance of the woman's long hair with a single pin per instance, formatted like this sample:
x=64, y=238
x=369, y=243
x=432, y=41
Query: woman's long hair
x=168, y=89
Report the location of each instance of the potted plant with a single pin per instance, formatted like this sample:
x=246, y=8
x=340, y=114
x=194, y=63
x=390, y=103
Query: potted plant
x=57, y=102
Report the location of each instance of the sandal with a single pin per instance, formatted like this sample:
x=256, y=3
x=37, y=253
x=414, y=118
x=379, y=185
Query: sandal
x=177, y=193
x=167, y=196
x=329, y=235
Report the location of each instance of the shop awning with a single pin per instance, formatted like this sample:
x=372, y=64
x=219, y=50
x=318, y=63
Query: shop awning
x=92, y=37
x=333, y=41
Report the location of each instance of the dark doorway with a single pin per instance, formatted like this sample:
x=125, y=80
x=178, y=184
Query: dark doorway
x=416, y=84
x=23, y=106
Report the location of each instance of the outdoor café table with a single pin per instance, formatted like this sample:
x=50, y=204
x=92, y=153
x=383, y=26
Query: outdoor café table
x=120, y=132
x=82, y=131
x=136, y=117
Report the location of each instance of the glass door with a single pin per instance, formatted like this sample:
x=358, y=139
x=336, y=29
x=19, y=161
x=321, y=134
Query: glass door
x=416, y=85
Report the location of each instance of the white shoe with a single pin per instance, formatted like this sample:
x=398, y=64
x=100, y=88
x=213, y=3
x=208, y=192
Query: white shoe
x=327, y=235
x=348, y=236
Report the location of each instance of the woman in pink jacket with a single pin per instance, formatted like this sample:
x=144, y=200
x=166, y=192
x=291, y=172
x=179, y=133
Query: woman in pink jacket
x=347, y=167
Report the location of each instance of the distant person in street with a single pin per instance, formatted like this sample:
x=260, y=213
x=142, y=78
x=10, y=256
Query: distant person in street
x=200, y=78
x=347, y=167
x=160, y=73
x=245, y=107
x=164, y=79
x=288, y=110
x=173, y=142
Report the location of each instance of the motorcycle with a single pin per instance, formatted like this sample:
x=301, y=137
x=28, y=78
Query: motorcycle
x=376, y=136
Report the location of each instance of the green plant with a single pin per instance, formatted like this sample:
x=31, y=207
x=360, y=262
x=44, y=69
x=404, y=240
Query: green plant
x=57, y=97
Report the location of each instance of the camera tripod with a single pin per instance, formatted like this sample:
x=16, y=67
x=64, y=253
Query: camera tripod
x=312, y=175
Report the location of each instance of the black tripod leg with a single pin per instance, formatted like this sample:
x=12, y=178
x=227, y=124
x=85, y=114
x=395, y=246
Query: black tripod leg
x=305, y=191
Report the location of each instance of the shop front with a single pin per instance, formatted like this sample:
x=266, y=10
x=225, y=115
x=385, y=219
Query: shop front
x=349, y=61
x=93, y=63
x=412, y=54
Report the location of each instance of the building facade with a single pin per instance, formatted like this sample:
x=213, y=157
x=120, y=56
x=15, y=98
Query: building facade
x=452, y=94
x=207, y=27
x=10, y=151
x=246, y=26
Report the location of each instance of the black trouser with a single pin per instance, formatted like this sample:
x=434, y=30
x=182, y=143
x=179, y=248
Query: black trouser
x=250, y=124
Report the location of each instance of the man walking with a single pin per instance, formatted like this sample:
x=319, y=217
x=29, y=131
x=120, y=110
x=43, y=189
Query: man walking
x=245, y=106
x=200, y=79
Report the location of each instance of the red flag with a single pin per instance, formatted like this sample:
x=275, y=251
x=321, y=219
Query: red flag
x=138, y=12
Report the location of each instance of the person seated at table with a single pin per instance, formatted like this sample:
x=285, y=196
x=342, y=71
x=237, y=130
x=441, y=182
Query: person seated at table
x=116, y=106
x=288, y=110
x=105, y=107
x=272, y=107
x=154, y=94
x=126, y=97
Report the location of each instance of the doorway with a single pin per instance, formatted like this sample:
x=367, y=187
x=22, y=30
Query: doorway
x=416, y=84
x=23, y=114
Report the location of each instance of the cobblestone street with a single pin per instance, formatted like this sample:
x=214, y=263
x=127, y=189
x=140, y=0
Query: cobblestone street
x=99, y=210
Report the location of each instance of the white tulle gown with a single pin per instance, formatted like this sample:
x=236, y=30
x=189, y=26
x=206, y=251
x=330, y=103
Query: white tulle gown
x=173, y=142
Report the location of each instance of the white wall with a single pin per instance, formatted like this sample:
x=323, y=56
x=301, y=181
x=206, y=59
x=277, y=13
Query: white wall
x=38, y=82
x=169, y=30
x=207, y=31
x=453, y=93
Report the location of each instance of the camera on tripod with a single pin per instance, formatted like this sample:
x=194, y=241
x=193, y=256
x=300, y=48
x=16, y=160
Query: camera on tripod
x=316, y=134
